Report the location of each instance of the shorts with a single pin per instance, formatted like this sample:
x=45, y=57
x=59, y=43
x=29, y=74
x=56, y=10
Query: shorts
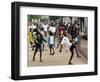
x=72, y=47
x=51, y=45
x=38, y=46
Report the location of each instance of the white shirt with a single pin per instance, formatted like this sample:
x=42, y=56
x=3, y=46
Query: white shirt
x=52, y=29
x=33, y=26
x=51, y=39
x=45, y=27
x=30, y=27
x=66, y=41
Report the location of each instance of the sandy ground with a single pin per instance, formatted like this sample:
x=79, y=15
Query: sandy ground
x=57, y=59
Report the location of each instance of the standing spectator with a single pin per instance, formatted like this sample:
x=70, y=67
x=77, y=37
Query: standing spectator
x=30, y=26
x=77, y=41
x=45, y=27
x=74, y=30
x=52, y=29
x=60, y=32
x=34, y=26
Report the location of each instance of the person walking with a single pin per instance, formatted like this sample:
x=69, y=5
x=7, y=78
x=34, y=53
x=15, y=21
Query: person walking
x=38, y=44
x=51, y=43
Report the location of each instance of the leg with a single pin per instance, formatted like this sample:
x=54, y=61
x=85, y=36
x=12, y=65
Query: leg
x=72, y=54
x=41, y=55
x=33, y=47
x=43, y=47
x=76, y=49
x=50, y=51
x=31, y=44
x=57, y=45
x=36, y=49
x=59, y=41
x=53, y=51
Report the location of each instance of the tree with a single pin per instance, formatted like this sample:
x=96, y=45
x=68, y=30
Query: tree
x=30, y=17
x=54, y=18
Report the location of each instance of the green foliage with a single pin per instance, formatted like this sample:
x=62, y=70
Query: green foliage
x=54, y=18
x=51, y=18
x=30, y=17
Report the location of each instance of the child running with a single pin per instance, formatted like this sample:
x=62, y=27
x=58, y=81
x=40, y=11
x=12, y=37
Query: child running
x=51, y=43
x=70, y=45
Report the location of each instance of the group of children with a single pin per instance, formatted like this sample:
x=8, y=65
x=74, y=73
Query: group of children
x=37, y=39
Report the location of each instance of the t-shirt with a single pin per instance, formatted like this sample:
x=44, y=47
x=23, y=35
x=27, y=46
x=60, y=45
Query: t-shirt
x=61, y=30
x=34, y=27
x=51, y=40
x=66, y=41
x=52, y=29
x=31, y=27
x=45, y=27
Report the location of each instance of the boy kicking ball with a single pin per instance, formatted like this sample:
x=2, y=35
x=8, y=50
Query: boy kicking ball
x=68, y=44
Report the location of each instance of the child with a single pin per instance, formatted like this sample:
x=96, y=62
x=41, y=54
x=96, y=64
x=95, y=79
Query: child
x=60, y=38
x=30, y=35
x=38, y=44
x=51, y=43
x=70, y=45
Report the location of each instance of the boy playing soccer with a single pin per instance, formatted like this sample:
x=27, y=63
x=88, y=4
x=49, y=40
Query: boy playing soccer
x=70, y=45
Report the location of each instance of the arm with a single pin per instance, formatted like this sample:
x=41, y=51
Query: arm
x=43, y=39
x=48, y=40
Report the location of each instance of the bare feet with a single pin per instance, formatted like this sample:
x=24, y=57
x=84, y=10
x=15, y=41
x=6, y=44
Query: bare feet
x=78, y=56
x=41, y=61
x=70, y=63
x=53, y=53
x=33, y=59
x=60, y=50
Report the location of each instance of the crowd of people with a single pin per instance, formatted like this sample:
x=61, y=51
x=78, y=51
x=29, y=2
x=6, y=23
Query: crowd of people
x=55, y=35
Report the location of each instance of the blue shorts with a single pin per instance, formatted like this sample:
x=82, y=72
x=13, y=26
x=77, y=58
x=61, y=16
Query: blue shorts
x=39, y=46
x=51, y=45
x=72, y=47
